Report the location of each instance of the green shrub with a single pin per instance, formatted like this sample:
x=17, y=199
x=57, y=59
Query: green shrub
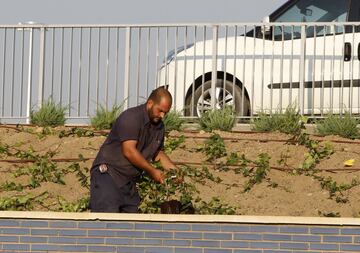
x=104, y=118
x=344, y=126
x=289, y=122
x=219, y=119
x=173, y=121
x=49, y=114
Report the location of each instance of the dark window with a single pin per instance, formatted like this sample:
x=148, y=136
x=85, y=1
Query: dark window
x=312, y=11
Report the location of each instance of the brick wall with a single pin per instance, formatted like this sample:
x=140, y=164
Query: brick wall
x=67, y=235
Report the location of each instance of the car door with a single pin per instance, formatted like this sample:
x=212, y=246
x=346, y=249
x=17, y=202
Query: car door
x=320, y=70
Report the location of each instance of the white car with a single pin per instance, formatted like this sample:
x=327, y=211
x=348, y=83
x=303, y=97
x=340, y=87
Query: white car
x=274, y=64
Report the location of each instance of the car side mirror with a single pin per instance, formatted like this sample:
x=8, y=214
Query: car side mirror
x=266, y=28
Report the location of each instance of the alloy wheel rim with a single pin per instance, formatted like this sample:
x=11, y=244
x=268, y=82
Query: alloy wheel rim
x=223, y=98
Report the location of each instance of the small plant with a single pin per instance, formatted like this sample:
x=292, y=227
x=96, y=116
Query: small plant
x=214, y=206
x=336, y=191
x=76, y=131
x=283, y=161
x=11, y=186
x=173, y=143
x=81, y=174
x=104, y=118
x=219, y=119
x=42, y=169
x=5, y=149
x=233, y=159
x=329, y=214
x=173, y=121
x=344, y=126
x=49, y=114
x=315, y=155
x=289, y=122
x=78, y=206
x=23, y=202
x=258, y=172
x=153, y=194
x=214, y=147
x=266, y=123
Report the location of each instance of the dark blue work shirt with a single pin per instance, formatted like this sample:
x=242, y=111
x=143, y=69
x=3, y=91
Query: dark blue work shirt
x=132, y=124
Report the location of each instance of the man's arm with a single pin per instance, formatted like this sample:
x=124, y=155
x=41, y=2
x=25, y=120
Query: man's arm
x=134, y=156
x=165, y=161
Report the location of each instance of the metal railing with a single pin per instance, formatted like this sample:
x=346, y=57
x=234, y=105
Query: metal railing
x=251, y=66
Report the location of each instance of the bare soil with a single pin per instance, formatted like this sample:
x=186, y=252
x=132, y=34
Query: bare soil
x=293, y=195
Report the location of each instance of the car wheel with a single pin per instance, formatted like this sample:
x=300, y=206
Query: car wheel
x=200, y=102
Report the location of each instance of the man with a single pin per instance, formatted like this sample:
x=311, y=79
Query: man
x=136, y=137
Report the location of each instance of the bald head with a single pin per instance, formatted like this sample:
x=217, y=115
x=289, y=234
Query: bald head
x=159, y=94
x=158, y=104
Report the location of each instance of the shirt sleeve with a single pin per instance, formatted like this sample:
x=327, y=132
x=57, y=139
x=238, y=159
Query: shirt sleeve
x=127, y=127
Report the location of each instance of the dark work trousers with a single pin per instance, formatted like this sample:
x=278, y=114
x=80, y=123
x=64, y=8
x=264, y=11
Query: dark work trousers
x=106, y=196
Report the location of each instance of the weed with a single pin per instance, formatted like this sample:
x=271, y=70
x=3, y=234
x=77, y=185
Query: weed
x=344, y=126
x=219, y=119
x=49, y=114
x=104, y=118
x=214, y=147
x=173, y=121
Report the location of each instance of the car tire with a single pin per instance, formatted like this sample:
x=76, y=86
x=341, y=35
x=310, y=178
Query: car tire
x=193, y=103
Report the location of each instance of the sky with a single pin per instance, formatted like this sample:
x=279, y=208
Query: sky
x=134, y=11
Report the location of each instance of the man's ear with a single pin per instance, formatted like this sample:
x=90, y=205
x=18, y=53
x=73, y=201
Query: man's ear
x=150, y=103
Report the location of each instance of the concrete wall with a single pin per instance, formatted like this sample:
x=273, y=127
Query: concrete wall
x=89, y=232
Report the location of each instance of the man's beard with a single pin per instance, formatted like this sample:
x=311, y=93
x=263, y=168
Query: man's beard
x=154, y=120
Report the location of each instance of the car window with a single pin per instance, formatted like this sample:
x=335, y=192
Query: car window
x=312, y=11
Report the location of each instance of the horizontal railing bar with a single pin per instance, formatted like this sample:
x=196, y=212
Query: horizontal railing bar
x=176, y=25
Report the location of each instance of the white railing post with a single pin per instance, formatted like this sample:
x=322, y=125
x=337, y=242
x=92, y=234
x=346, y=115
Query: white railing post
x=28, y=97
x=215, y=31
x=302, y=68
x=127, y=67
x=41, y=67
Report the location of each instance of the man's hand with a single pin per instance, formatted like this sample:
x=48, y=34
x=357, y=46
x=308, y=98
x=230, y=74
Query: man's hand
x=135, y=157
x=165, y=161
x=158, y=176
